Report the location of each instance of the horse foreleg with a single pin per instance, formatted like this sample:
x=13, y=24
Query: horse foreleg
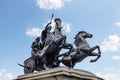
x=96, y=47
x=68, y=46
x=44, y=62
x=99, y=51
x=95, y=54
x=45, y=67
x=73, y=64
x=93, y=48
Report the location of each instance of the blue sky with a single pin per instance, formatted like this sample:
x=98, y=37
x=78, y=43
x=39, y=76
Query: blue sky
x=22, y=20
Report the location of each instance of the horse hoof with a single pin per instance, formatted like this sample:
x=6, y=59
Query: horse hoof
x=99, y=55
x=92, y=60
x=99, y=52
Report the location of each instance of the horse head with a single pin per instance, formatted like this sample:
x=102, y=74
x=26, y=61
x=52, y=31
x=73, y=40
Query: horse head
x=58, y=23
x=81, y=36
x=84, y=34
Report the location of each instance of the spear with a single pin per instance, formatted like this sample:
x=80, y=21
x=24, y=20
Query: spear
x=51, y=17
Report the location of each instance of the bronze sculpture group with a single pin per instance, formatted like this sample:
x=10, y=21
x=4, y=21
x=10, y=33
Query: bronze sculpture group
x=46, y=49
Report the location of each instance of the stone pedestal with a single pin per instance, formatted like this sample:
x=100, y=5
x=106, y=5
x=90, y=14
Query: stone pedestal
x=60, y=73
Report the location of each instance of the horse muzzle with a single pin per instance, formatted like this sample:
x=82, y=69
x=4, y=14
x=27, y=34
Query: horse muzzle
x=90, y=35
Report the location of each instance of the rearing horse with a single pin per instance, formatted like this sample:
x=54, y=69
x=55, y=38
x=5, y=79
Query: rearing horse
x=46, y=57
x=82, y=51
x=59, y=42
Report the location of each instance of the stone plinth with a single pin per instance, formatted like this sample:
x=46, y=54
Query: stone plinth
x=60, y=73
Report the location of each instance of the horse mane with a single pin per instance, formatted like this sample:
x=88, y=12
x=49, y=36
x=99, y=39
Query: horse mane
x=80, y=32
x=76, y=42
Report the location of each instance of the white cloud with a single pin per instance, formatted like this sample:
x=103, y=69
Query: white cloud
x=109, y=68
x=34, y=31
x=109, y=76
x=51, y=4
x=5, y=75
x=117, y=24
x=67, y=27
x=116, y=57
x=112, y=43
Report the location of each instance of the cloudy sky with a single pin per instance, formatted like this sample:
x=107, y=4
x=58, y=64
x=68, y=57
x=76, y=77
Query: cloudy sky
x=22, y=20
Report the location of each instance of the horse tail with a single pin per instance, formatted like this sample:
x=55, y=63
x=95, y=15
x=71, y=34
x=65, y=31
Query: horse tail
x=23, y=65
